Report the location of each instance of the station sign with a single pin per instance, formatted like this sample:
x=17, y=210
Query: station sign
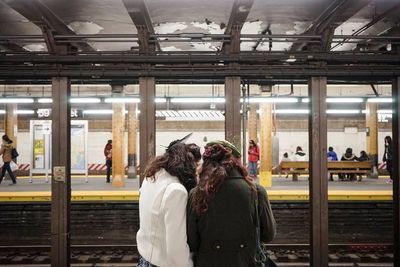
x=45, y=113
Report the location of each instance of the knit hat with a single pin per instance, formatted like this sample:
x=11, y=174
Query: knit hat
x=226, y=144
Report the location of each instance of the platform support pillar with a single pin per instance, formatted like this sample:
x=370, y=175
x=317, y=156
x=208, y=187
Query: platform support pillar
x=132, y=126
x=232, y=111
x=253, y=122
x=118, y=130
x=61, y=174
x=317, y=127
x=11, y=122
x=266, y=145
x=147, y=122
x=396, y=170
x=372, y=135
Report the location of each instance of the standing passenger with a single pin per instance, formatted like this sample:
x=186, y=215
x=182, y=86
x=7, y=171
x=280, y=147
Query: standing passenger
x=5, y=151
x=388, y=157
x=254, y=156
x=108, y=155
x=162, y=239
x=222, y=211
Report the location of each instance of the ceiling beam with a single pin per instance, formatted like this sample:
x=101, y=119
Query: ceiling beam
x=335, y=14
x=140, y=16
x=239, y=13
x=39, y=14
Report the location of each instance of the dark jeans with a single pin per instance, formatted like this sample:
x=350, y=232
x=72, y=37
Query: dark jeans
x=389, y=168
x=109, y=166
x=6, y=167
x=144, y=263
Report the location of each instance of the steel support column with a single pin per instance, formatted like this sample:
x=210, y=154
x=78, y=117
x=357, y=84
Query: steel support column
x=61, y=174
x=372, y=135
x=118, y=136
x=147, y=122
x=132, y=138
x=396, y=170
x=317, y=127
x=232, y=111
x=11, y=122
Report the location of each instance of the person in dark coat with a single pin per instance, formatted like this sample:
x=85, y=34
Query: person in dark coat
x=388, y=157
x=363, y=157
x=5, y=152
x=108, y=155
x=332, y=156
x=349, y=156
x=221, y=211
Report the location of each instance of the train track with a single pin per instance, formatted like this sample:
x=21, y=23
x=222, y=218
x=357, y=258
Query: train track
x=288, y=255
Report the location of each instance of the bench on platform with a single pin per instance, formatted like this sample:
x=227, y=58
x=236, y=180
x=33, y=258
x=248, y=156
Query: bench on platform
x=301, y=167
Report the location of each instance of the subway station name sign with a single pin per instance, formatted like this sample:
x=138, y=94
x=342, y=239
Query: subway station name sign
x=45, y=113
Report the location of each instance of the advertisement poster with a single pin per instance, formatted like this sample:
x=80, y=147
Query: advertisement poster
x=78, y=161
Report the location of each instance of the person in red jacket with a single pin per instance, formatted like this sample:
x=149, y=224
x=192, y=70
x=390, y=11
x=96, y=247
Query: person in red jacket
x=108, y=155
x=254, y=155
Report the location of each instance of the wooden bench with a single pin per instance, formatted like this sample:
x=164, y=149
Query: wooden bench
x=301, y=167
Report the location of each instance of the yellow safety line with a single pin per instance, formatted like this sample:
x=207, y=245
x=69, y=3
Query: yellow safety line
x=288, y=195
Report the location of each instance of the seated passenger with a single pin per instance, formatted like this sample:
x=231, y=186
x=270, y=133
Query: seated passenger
x=300, y=155
x=363, y=157
x=348, y=156
x=285, y=171
x=162, y=238
x=332, y=156
x=222, y=211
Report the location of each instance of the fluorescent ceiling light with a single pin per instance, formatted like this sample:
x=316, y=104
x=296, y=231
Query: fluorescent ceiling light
x=386, y=111
x=45, y=100
x=305, y=100
x=25, y=112
x=344, y=100
x=343, y=111
x=2, y=111
x=291, y=111
x=380, y=100
x=16, y=100
x=98, y=111
x=160, y=100
x=198, y=100
x=122, y=100
x=273, y=100
x=85, y=100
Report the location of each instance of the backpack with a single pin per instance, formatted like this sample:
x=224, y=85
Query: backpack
x=14, y=153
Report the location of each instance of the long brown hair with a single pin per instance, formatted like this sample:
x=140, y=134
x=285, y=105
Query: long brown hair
x=179, y=160
x=218, y=163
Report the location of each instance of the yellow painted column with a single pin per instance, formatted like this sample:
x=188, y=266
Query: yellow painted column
x=118, y=130
x=253, y=122
x=11, y=122
x=372, y=135
x=132, y=152
x=266, y=145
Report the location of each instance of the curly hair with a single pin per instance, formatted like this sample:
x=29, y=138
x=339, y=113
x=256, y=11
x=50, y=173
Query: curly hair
x=178, y=161
x=218, y=162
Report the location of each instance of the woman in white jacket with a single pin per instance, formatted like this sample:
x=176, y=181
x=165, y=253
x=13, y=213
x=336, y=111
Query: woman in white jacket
x=162, y=239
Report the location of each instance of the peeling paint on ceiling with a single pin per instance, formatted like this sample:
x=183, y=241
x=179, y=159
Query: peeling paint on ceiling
x=169, y=27
x=85, y=27
x=171, y=48
x=203, y=46
x=209, y=26
x=299, y=27
x=252, y=27
x=35, y=47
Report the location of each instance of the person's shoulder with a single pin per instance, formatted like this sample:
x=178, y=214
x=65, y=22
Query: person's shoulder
x=176, y=189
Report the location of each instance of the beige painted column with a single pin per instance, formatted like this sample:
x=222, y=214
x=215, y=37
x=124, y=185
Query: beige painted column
x=11, y=122
x=132, y=138
x=372, y=134
x=118, y=129
x=266, y=145
x=252, y=126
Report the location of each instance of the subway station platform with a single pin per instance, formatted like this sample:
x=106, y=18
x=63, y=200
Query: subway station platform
x=96, y=189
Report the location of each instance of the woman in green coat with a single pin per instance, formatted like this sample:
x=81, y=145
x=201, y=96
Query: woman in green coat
x=222, y=211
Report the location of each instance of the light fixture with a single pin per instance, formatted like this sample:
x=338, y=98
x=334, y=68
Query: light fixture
x=344, y=100
x=45, y=100
x=380, y=100
x=198, y=100
x=2, y=111
x=273, y=100
x=343, y=111
x=160, y=100
x=16, y=100
x=98, y=111
x=385, y=111
x=25, y=112
x=122, y=100
x=85, y=100
x=305, y=100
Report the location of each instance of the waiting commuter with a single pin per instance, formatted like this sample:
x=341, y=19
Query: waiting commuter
x=300, y=155
x=108, y=155
x=332, y=156
x=222, y=211
x=285, y=171
x=388, y=157
x=363, y=157
x=6, y=152
x=348, y=156
x=162, y=239
x=254, y=156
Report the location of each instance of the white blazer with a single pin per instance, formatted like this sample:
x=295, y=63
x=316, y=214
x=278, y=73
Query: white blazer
x=162, y=238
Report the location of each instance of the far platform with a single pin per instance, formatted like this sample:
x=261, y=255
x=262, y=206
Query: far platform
x=96, y=189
